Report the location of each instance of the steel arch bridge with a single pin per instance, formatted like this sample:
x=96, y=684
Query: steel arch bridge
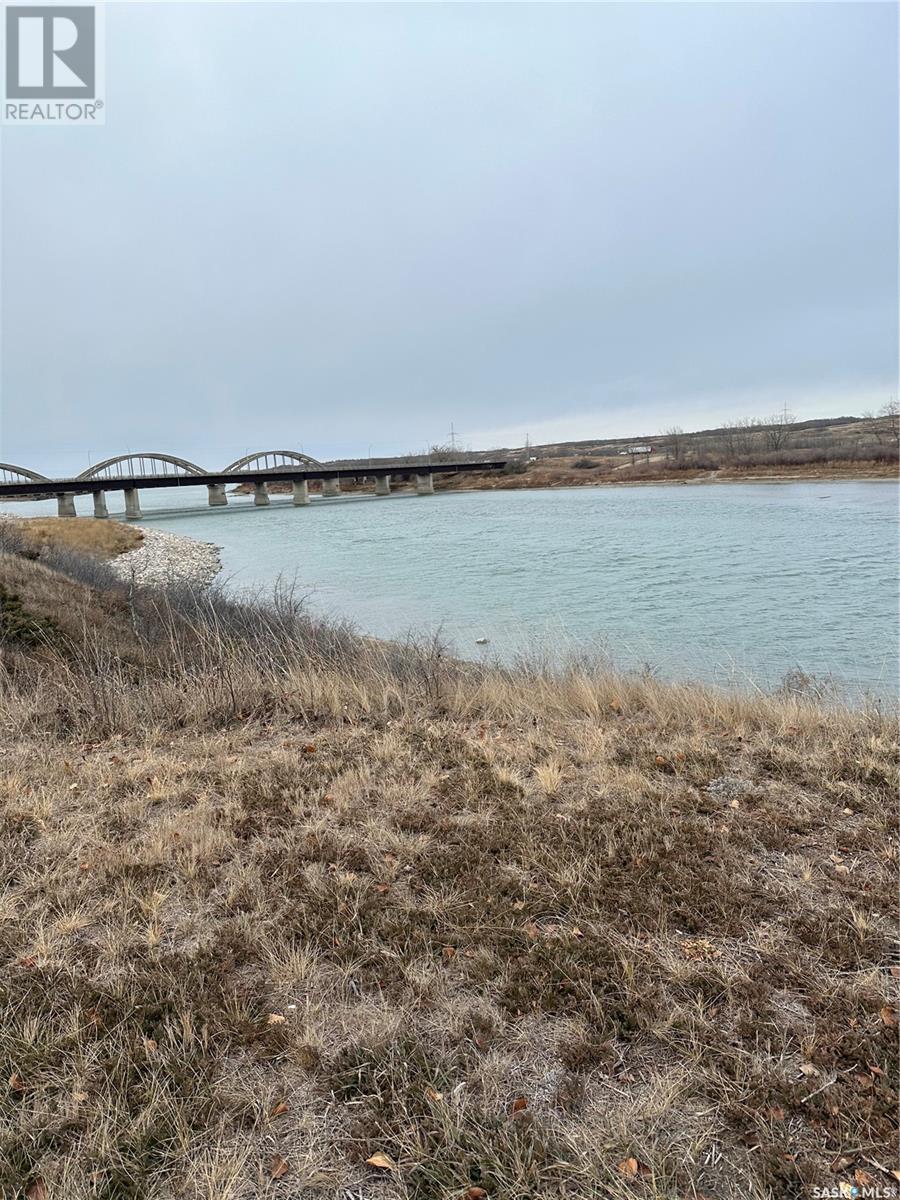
x=154, y=464
x=135, y=464
x=271, y=460
x=13, y=474
x=131, y=472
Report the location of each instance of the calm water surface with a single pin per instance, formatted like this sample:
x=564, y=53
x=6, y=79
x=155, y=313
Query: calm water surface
x=733, y=583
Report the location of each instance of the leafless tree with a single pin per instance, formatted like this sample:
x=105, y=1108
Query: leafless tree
x=674, y=443
x=777, y=430
x=740, y=437
x=890, y=414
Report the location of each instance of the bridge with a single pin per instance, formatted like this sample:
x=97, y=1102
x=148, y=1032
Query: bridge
x=130, y=473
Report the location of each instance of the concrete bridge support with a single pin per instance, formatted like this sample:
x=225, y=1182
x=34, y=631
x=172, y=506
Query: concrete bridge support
x=65, y=505
x=261, y=494
x=100, y=509
x=301, y=492
x=331, y=487
x=132, y=505
x=217, y=495
x=425, y=485
x=382, y=485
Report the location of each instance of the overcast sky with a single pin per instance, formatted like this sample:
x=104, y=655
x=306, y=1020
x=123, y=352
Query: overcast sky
x=342, y=227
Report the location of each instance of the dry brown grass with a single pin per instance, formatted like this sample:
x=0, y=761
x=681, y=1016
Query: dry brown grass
x=278, y=896
x=85, y=535
x=610, y=472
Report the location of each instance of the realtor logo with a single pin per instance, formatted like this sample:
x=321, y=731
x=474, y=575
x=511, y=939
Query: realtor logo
x=50, y=53
x=54, y=62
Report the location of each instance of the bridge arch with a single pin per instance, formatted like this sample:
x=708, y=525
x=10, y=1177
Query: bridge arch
x=136, y=465
x=12, y=474
x=270, y=460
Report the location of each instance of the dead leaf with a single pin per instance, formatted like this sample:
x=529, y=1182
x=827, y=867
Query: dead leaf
x=863, y=1178
x=896, y=1174
x=629, y=1168
x=27, y=960
x=36, y=1190
x=660, y=762
x=448, y=952
x=887, y=1015
x=382, y=888
x=482, y=1041
x=680, y=756
x=309, y=748
x=776, y=1113
x=275, y=1019
x=16, y=1082
x=280, y=1109
x=519, y=1105
x=279, y=1168
x=150, y=1046
x=433, y=1096
x=79, y=1097
x=895, y=971
x=383, y=1161
x=699, y=949
x=474, y=1193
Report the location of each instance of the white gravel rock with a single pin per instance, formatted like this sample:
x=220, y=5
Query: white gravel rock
x=169, y=558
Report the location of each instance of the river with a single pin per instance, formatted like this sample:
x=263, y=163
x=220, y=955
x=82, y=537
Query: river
x=728, y=583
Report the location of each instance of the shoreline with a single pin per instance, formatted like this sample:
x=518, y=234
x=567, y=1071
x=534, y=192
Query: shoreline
x=165, y=558
x=160, y=558
x=570, y=485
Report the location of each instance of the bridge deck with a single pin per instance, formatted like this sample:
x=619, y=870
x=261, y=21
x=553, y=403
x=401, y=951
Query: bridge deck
x=118, y=483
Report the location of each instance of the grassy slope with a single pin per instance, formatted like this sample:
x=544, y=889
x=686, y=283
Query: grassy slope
x=105, y=539
x=280, y=901
x=548, y=473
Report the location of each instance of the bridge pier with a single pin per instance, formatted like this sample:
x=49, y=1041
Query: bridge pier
x=132, y=505
x=100, y=509
x=331, y=486
x=301, y=492
x=261, y=494
x=382, y=485
x=217, y=494
x=425, y=485
x=65, y=504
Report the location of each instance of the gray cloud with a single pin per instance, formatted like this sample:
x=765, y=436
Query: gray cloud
x=345, y=226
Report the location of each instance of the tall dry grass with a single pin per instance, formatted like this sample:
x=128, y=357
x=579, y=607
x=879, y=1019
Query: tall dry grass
x=292, y=912
x=81, y=535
